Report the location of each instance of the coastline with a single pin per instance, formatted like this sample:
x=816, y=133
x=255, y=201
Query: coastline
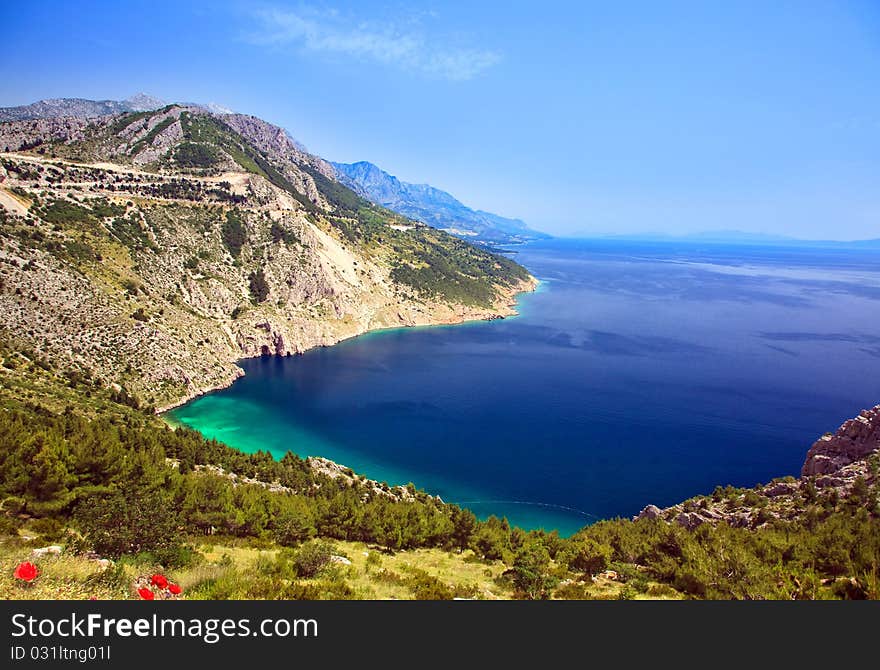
x=684, y=513
x=503, y=307
x=506, y=306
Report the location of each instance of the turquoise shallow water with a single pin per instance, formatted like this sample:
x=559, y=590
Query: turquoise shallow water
x=636, y=373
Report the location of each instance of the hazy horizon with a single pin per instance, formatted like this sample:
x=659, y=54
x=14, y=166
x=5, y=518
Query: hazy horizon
x=580, y=119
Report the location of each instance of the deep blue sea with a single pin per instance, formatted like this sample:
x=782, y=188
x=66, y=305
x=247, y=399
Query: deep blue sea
x=638, y=373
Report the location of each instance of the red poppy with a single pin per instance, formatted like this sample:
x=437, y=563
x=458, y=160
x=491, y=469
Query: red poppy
x=145, y=593
x=26, y=571
x=159, y=581
x=174, y=589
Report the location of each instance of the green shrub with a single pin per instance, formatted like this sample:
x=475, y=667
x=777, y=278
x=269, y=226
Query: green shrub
x=281, y=234
x=573, y=591
x=66, y=213
x=587, y=556
x=51, y=530
x=9, y=524
x=137, y=519
x=425, y=586
x=258, y=286
x=234, y=233
x=531, y=575
x=311, y=558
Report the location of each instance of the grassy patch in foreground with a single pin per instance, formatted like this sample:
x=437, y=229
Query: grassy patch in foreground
x=355, y=571
x=233, y=569
x=62, y=577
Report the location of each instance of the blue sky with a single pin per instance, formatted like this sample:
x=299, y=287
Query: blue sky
x=579, y=117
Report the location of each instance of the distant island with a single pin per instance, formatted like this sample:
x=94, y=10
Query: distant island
x=744, y=238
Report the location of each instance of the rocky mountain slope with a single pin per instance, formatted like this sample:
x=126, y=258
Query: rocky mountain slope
x=430, y=205
x=420, y=202
x=79, y=108
x=149, y=251
x=839, y=466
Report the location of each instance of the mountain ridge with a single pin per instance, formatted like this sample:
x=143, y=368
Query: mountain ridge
x=421, y=202
x=431, y=205
x=151, y=250
x=79, y=108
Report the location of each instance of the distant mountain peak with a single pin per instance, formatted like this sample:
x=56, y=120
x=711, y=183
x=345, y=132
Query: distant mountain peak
x=80, y=108
x=83, y=108
x=215, y=108
x=430, y=205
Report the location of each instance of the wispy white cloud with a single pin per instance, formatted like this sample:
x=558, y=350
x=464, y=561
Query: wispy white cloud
x=387, y=43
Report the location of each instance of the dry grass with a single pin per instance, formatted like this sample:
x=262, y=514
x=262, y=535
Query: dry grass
x=234, y=570
x=381, y=576
x=63, y=577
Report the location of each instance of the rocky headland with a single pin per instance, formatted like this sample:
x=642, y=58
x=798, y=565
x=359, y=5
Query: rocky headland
x=840, y=465
x=149, y=251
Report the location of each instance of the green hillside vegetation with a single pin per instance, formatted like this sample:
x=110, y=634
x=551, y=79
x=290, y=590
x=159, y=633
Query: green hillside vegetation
x=234, y=233
x=125, y=120
x=208, y=131
x=452, y=269
x=195, y=155
x=130, y=488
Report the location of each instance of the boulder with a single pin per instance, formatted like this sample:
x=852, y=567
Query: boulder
x=650, y=512
x=689, y=520
x=829, y=481
x=51, y=550
x=779, y=489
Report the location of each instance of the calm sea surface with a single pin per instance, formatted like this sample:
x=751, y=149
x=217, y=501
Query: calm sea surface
x=638, y=373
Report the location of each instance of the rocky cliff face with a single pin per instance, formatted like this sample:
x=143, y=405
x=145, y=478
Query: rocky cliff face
x=276, y=142
x=855, y=440
x=23, y=135
x=299, y=166
x=151, y=251
x=837, y=466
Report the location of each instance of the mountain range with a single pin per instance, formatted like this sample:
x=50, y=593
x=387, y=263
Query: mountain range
x=153, y=249
x=745, y=238
x=421, y=202
x=430, y=205
x=79, y=108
